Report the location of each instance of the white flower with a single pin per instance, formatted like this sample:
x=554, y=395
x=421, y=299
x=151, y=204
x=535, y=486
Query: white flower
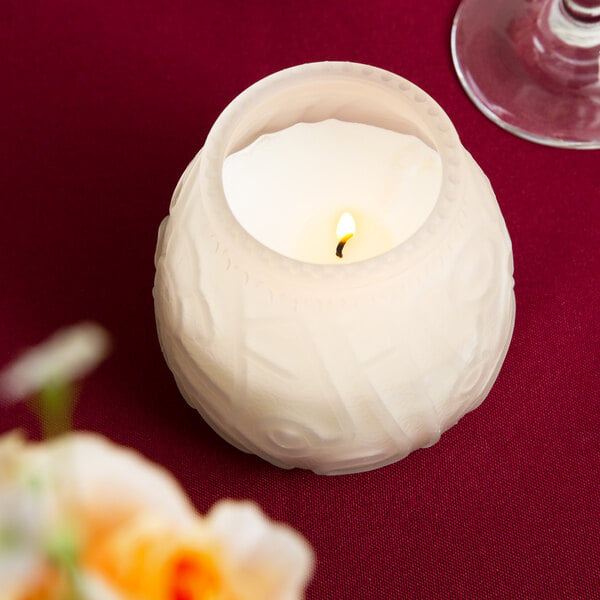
x=66, y=356
x=136, y=533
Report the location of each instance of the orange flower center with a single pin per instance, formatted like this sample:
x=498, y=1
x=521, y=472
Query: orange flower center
x=192, y=579
x=156, y=564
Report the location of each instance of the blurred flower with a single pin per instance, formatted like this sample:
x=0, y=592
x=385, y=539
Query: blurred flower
x=84, y=519
x=80, y=513
x=84, y=516
x=67, y=356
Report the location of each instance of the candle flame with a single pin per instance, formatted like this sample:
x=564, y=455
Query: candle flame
x=346, y=227
x=345, y=230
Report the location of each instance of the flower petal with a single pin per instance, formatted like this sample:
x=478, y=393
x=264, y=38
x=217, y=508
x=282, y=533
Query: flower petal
x=267, y=560
x=107, y=482
x=67, y=355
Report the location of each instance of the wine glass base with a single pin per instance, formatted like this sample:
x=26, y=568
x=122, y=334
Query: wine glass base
x=524, y=77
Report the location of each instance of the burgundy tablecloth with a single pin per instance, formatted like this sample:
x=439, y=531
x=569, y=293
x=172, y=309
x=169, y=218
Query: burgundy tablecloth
x=102, y=106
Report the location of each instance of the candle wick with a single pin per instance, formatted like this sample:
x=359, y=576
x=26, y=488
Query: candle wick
x=340, y=246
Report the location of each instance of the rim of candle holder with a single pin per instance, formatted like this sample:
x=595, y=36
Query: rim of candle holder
x=242, y=247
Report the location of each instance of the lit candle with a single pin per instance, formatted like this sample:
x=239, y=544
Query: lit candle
x=288, y=188
x=302, y=357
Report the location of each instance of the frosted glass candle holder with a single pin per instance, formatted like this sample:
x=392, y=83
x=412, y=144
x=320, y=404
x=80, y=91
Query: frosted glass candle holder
x=337, y=368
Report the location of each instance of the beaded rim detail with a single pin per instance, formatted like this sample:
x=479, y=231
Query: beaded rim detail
x=440, y=129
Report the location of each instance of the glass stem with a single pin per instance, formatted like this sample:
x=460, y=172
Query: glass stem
x=587, y=11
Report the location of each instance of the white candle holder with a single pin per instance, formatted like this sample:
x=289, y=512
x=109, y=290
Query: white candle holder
x=334, y=368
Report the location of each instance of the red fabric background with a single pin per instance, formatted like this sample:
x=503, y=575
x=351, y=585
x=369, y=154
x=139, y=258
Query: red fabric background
x=102, y=106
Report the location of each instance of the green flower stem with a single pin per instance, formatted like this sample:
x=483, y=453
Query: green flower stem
x=63, y=550
x=54, y=406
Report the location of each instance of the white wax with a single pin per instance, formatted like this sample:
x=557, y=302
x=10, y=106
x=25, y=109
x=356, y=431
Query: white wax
x=289, y=188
